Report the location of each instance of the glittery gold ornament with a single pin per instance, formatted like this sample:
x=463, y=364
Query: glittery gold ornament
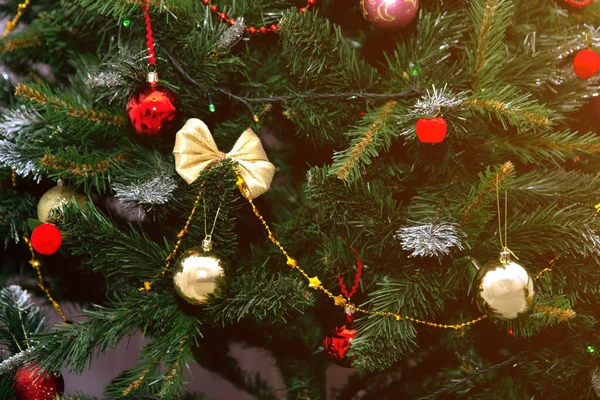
x=504, y=289
x=57, y=197
x=195, y=273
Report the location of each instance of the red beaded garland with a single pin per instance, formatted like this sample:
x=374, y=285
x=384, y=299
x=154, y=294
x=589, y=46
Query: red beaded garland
x=252, y=29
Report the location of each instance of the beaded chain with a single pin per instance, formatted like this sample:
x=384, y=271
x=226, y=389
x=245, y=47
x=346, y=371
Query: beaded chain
x=252, y=29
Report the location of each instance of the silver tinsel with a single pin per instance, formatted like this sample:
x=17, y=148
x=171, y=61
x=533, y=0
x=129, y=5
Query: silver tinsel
x=105, y=79
x=13, y=121
x=431, y=239
x=158, y=190
x=10, y=156
x=593, y=239
x=232, y=35
x=14, y=362
x=436, y=99
x=596, y=382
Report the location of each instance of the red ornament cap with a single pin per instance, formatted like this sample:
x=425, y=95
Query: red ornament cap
x=337, y=344
x=31, y=385
x=153, y=109
x=431, y=130
x=586, y=63
x=46, y=239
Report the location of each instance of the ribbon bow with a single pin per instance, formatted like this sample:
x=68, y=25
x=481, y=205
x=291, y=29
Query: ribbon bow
x=195, y=149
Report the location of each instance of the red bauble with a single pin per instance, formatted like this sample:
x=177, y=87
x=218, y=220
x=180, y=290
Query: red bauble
x=578, y=3
x=152, y=110
x=389, y=14
x=337, y=344
x=431, y=130
x=586, y=63
x=46, y=239
x=31, y=385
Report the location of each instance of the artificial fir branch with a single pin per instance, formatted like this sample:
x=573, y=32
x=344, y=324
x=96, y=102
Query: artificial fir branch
x=502, y=108
x=484, y=30
x=18, y=43
x=487, y=188
x=88, y=170
x=359, y=146
x=556, y=312
x=38, y=96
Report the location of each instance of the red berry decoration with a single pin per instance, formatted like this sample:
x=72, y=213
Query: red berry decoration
x=31, y=385
x=46, y=239
x=586, y=63
x=578, y=3
x=152, y=110
x=431, y=130
x=337, y=343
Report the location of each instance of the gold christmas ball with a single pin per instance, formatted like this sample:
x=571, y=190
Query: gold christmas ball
x=57, y=197
x=504, y=290
x=195, y=274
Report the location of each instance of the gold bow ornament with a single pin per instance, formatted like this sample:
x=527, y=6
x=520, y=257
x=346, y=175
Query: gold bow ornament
x=195, y=149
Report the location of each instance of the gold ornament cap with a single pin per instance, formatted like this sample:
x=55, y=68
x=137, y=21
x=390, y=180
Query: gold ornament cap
x=195, y=275
x=152, y=78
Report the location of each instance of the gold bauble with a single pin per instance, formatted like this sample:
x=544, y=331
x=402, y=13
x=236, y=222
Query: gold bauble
x=57, y=197
x=504, y=290
x=195, y=274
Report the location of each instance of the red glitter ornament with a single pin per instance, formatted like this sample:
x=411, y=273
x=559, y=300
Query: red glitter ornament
x=586, y=63
x=337, y=343
x=153, y=109
x=46, y=239
x=431, y=130
x=31, y=385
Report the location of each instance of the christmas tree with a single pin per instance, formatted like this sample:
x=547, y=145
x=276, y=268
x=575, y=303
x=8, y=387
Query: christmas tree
x=405, y=188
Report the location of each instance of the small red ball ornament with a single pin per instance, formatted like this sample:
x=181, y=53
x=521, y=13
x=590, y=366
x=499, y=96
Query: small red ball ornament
x=578, y=3
x=153, y=109
x=46, y=239
x=31, y=385
x=431, y=130
x=337, y=343
x=586, y=63
x=389, y=14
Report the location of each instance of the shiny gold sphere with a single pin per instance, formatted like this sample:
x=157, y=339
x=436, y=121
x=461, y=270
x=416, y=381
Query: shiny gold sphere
x=57, y=197
x=195, y=275
x=504, y=291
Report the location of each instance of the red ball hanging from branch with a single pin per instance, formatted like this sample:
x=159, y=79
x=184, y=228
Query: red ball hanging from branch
x=337, y=343
x=578, y=3
x=30, y=384
x=46, y=239
x=431, y=130
x=586, y=63
x=153, y=109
